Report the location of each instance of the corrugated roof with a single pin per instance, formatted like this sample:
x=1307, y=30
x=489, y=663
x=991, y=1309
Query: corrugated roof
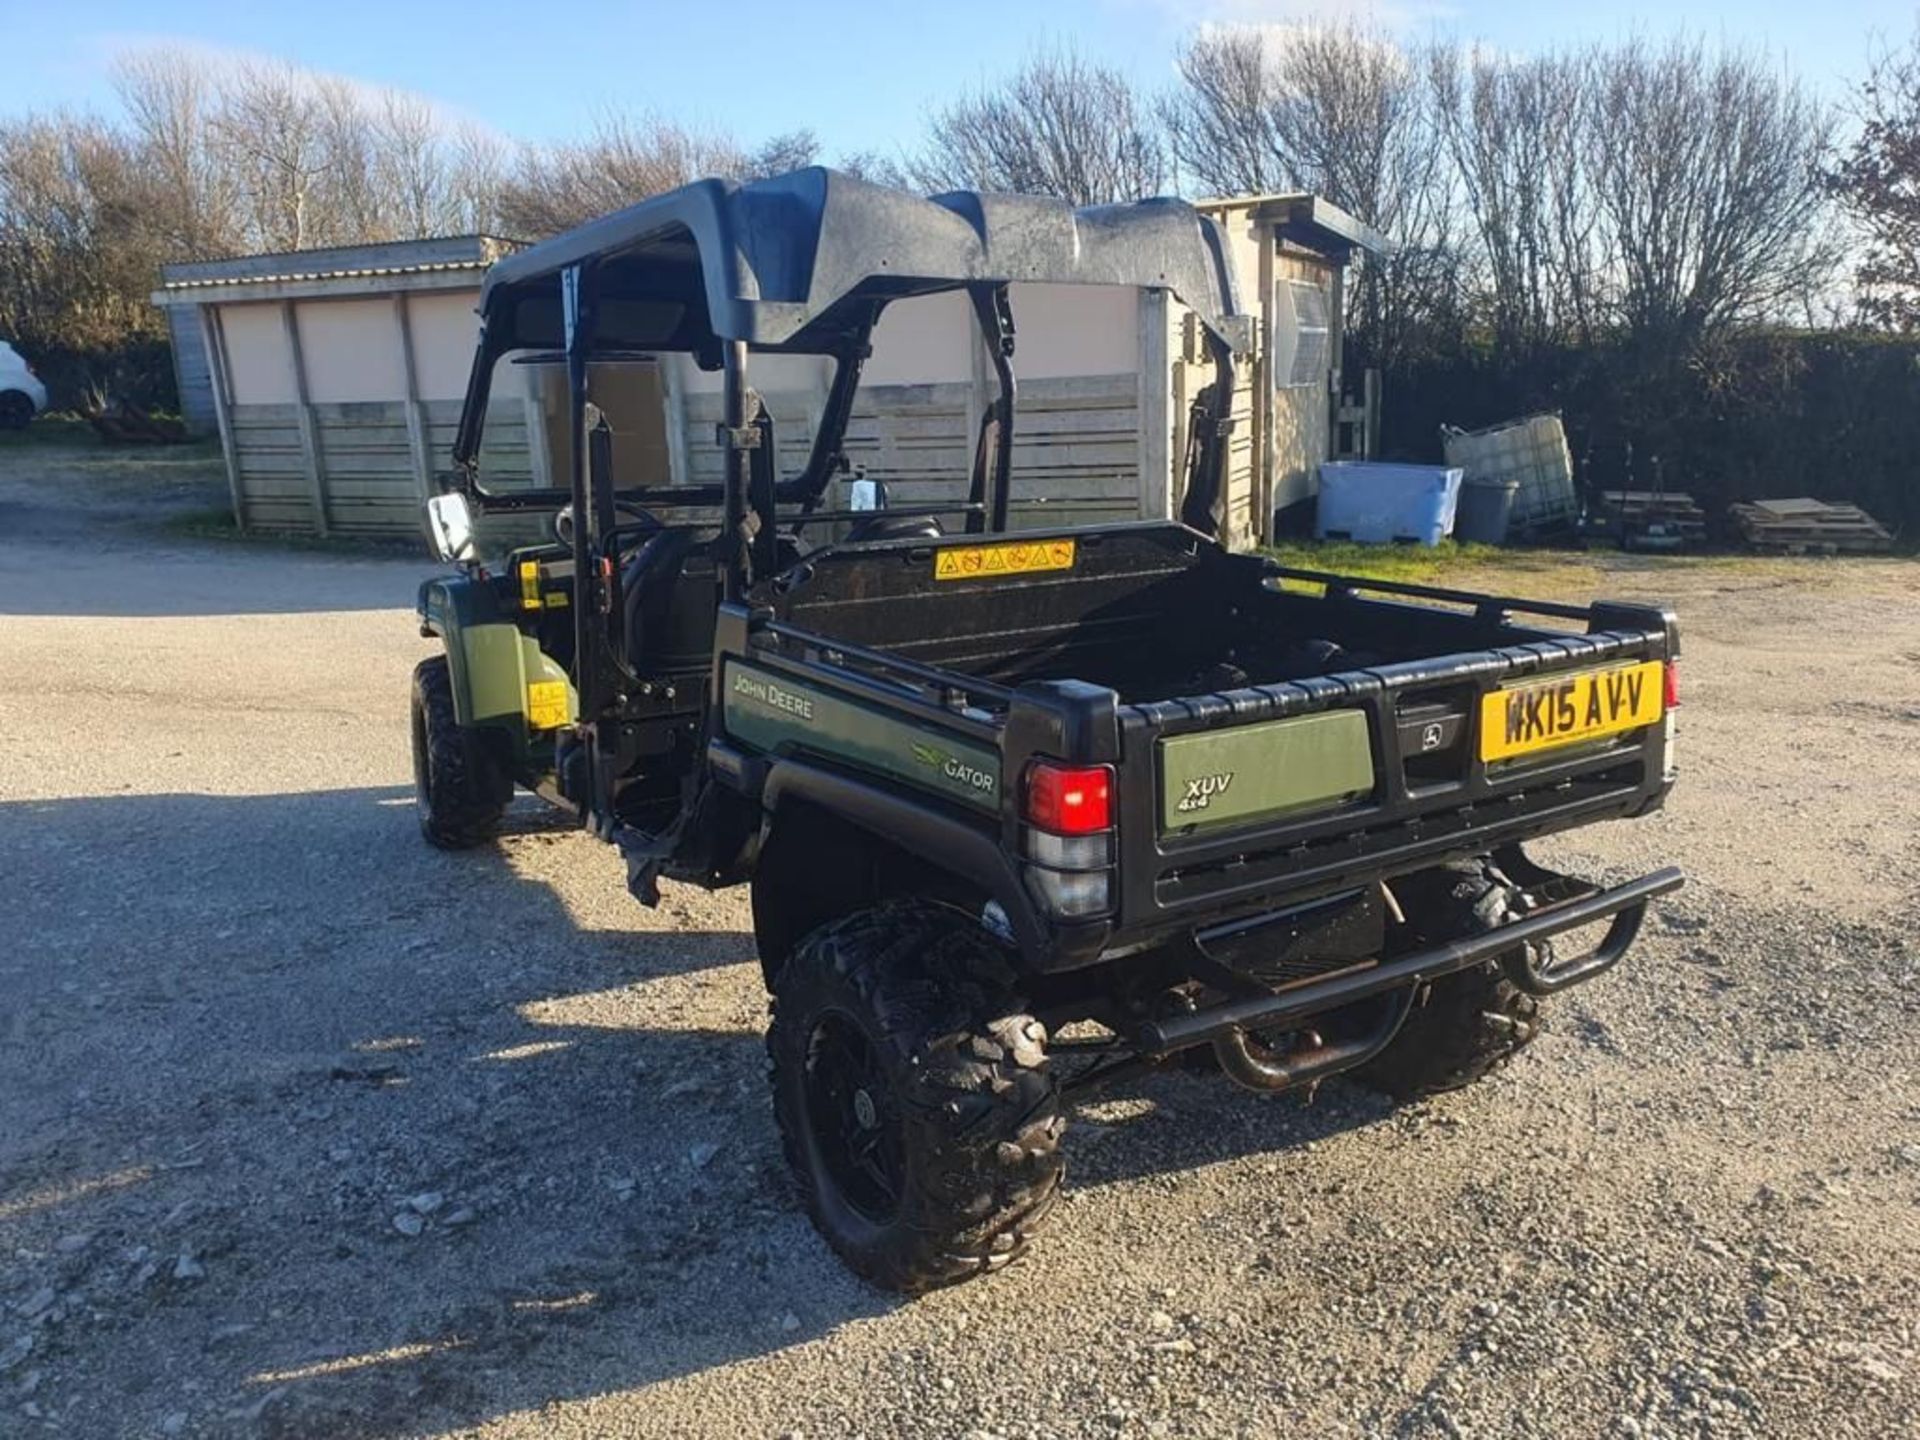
x=340, y=264
x=366, y=272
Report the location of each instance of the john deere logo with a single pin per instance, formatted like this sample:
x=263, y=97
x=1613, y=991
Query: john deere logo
x=953, y=767
x=1201, y=790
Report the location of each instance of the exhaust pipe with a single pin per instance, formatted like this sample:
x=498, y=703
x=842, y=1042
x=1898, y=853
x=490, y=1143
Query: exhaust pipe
x=1254, y=1066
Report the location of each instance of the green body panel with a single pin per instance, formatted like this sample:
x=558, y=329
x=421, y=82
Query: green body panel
x=500, y=664
x=490, y=662
x=776, y=714
x=1224, y=777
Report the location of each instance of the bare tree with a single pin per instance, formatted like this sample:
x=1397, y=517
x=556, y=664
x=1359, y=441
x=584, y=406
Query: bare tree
x=1061, y=125
x=1519, y=136
x=877, y=167
x=1707, y=175
x=1342, y=110
x=1220, y=120
x=625, y=159
x=476, y=177
x=168, y=96
x=1877, y=180
x=794, y=150
x=273, y=133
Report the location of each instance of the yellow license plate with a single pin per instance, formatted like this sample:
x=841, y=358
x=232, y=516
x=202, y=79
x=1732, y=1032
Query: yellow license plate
x=1566, y=709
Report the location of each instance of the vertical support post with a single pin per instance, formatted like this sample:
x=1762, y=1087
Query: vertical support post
x=304, y=418
x=1190, y=355
x=577, y=318
x=994, y=309
x=414, y=411
x=738, y=468
x=673, y=386
x=1154, y=454
x=1261, y=481
x=213, y=339
x=1337, y=364
x=979, y=400
x=1370, y=389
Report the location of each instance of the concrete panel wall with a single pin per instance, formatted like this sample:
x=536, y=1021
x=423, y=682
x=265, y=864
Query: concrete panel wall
x=1063, y=331
x=259, y=362
x=368, y=482
x=929, y=339
x=352, y=350
x=445, y=330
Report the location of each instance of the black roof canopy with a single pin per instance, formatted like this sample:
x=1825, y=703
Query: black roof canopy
x=799, y=261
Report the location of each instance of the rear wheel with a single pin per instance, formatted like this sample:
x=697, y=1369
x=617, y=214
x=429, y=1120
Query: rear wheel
x=913, y=1096
x=1470, y=1023
x=460, y=784
x=16, y=409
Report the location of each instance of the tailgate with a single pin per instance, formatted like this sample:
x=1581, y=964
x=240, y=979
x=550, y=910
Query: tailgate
x=1319, y=784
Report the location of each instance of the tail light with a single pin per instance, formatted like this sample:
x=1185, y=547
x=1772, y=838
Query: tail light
x=1669, y=724
x=1069, y=800
x=1068, y=837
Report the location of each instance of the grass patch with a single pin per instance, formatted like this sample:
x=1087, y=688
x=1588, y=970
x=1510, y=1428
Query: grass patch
x=1415, y=564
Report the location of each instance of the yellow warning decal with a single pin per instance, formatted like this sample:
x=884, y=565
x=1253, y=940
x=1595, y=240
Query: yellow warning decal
x=547, y=705
x=529, y=584
x=994, y=562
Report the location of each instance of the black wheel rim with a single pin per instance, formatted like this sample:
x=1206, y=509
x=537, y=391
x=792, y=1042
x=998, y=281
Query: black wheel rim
x=854, y=1134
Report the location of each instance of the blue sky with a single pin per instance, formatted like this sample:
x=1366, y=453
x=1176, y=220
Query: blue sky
x=861, y=75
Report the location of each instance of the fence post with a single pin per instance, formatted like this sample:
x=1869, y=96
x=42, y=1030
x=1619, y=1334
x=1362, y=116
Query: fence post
x=213, y=341
x=309, y=428
x=1155, y=452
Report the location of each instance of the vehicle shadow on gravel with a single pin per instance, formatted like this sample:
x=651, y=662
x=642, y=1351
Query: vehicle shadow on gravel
x=395, y=1140
x=399, y=1141
x=1173, y=1122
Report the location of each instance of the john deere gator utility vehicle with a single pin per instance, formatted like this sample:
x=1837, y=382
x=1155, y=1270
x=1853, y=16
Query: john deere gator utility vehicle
x=1022, y=812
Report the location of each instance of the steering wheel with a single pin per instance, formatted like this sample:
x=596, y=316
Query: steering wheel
x=563, y=519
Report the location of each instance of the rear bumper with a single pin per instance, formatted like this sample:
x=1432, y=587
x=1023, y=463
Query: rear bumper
x=1625, y=905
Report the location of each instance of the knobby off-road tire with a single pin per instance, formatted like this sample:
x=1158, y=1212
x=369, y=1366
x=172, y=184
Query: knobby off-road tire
x=1471, y=1022
x=461, y=788
x=913, y=1097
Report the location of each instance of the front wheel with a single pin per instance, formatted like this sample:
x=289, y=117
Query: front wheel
x=460, y=786
x=913, y=1097
x=16, y=409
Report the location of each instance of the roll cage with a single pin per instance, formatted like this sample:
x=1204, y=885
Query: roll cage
x=805, y=264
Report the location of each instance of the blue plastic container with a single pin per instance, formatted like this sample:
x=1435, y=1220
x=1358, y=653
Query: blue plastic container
x=1378, y=504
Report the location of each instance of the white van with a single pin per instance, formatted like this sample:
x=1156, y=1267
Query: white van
x=22, y=396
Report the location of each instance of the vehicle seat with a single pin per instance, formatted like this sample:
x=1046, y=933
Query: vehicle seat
x=882, y=526
x=671, y=588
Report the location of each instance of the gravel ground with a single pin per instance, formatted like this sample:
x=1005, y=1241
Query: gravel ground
x=308, y=1130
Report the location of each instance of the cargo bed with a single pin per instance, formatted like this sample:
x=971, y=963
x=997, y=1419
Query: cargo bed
x=1272, y=731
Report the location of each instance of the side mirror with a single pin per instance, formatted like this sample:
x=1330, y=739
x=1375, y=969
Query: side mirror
x=865, y=494
x=450, y=527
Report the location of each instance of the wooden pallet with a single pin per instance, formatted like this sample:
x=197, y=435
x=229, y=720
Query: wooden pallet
x=1651, y=514
x=1810, y=527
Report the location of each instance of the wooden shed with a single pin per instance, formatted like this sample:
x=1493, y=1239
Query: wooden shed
x=336, y=379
